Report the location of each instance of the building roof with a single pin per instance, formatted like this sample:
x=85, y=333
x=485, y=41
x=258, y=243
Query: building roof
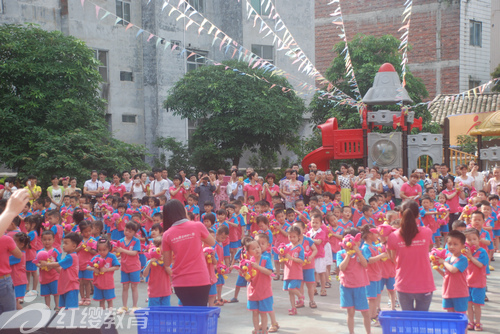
x=445, y=105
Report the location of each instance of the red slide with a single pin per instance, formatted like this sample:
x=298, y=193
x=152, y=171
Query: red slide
x=320, y=156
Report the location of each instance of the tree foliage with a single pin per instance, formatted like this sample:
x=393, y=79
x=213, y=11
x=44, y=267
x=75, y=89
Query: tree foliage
x=52, y=119
x=368, y=53
x=234, y=111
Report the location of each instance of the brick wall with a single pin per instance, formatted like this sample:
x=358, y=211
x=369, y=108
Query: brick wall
x=434, y=35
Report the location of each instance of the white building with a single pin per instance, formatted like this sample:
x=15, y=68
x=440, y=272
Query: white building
x=139, y=73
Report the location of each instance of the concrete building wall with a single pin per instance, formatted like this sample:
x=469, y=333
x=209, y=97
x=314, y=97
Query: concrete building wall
x=474, y=59
x=495, y=35
x=434, y=35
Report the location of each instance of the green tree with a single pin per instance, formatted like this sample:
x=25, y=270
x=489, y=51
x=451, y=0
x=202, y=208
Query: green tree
x=235, y=112
x=494, y=75
x=368, y=53
x=179, y=158
x=51, y=116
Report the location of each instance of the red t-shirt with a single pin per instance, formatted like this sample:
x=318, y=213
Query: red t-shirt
x=413, y=268
x=411, y=191
x=159, y=282
x=130, y=263
x=455, y=285
x=106, y=281
x=293, y=270
x=476, y=277
x=51, y=275
x=19, y=271
x=84, y=256
x=268, y=197
x=452, y=203
x=117, y=189
x=68, y=277
x=254, y=190
x=259, y=288
x=355, y=275
x=180, y=194
x=185, y=241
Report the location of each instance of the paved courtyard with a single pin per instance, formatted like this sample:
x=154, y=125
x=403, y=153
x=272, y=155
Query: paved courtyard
x=327, y=318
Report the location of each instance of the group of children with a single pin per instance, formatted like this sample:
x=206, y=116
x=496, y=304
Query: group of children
x=303, y=246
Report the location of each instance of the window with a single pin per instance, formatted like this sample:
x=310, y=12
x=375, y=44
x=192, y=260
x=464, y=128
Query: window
x=108, y=118
x=259, y=8
x=123, y=11
x=197, y=5
x=474, y=83
x=102, y=57
x=264, y=51
x=126, y=76
x=195, y=61
x=129, y=118
x=476, y=31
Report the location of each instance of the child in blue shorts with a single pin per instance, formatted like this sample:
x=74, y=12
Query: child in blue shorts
x=353, y=281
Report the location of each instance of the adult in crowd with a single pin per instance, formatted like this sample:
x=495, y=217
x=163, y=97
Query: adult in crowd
x=359, y=185
x=491, y=185
x=248, y=171
x=409, y=247
x=185, y=181
x=55, y=193
x=127, y=182
x=235, y=185
x=91, y=187
x=387, y=185
x=220, y=189
x=183, y=241
x=8, y=247
x=312, y=167
x=433, y=180
x=344, y=183
x=397, y=182
x=271, y=189
x=466, y=184
x=296, y=168
x=159, y=186
x=205, y=190
x=9, y=187
x=373, y=184
x=103, y=183
x=34, y=190
x=311, y=186
x=291, y=190
x=421, y=177
x=328, y=183
x=411, y=189
x=252, y=188
x=164, y=175
x=139, y=189
x=72, y=188
x=476, y=175
x=133, y=172
x=443, y=169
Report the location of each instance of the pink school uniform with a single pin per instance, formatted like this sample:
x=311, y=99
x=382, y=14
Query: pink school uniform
x=292, y=273
x=68, y=283
x=58, y=235
x=159, y=285
x=18, y=275
x=105, y=283
x=259, y=289
x=83, y=258
x=373, y=270
x=130, y=265
x=49, y=278
x=335, y=242
x=455, y=285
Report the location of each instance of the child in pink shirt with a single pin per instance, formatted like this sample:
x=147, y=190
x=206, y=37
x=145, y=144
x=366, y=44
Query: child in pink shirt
x=280, y=238
x=221, y=236
x=259, y=291
x=55, y=221
x=334, y=238
x=18, y=267
x=85, y=254
x=372, y=253
x=129, y=248
x=49, y=277
x=159, y=286
x=293, y=268
x=476, y=278
x=68, y=285
x=455, y=290
x=34, y=228
x=104, y=282
x=353, y=282
x=318, y=235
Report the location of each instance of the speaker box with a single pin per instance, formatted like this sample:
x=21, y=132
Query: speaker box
x=91, y=320
x=25, y=321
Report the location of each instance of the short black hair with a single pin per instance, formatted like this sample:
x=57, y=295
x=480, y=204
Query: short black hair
x=458, y=235
x=74, y=237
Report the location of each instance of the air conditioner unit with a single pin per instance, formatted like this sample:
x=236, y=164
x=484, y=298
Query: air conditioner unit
x=385, y=150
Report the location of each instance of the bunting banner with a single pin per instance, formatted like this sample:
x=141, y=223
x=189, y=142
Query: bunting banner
x=227, y=42
x=405, y=30
x=338, y=22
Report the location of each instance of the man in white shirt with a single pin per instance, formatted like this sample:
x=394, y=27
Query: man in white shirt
x=127, y=182
x=159, y=187
x=164, y=175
